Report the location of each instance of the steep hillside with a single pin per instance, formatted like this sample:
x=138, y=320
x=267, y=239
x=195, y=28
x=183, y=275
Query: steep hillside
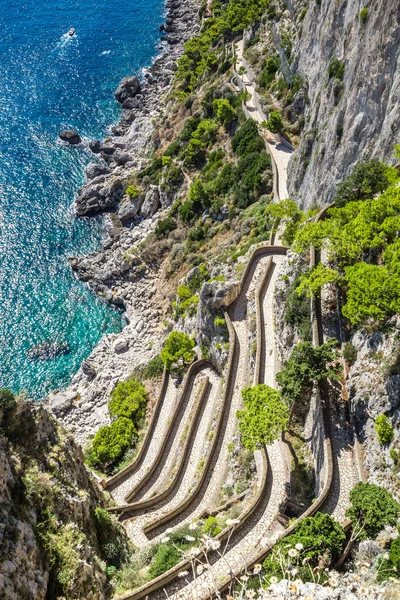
x=56, y=538
x=353, y=114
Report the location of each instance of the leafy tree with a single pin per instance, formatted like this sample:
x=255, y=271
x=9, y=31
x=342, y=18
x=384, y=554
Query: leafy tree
x=224, y=111
x=7, y=401
x=198, y=196
x=367, y=179
x=178, y=347
x=275, y=122
x=166, y=160
x=288, y=211
x=319, y=540
x=129, y=400
x=264, y=417
x=372, y=293
x=311, y=283
x=384, y=429
x=307, y=364
x=372, y=507
x=111, y=441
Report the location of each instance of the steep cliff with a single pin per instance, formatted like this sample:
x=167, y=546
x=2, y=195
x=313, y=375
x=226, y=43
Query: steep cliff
x=55, y=537
x=352, y=115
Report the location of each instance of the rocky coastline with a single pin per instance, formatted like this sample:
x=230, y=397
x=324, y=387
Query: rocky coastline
x=112, y=272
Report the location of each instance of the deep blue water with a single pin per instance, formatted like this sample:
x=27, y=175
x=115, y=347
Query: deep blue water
x=49, y=82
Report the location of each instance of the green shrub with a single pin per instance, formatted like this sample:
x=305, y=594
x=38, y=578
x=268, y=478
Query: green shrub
x=321, y=539
x=247, y=139
x=384, y=430
x=372, y=507
x=7, y=401
x=268, y=74
x=264, y=417
x=364, y=15
x=298, y=311
x=132, y=191
x=111, y=441
x=183, y=292
x=336, y=69
x=164, y=227
x=219, y=322
x=178, y=347
x=211, y=527
x=155, y=368
x=166, y=160
x=128, y=400
x=390, y=567
x=349, y=353
x=275, y=122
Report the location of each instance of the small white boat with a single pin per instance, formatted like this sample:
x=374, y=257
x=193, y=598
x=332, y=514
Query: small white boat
x=71, y=32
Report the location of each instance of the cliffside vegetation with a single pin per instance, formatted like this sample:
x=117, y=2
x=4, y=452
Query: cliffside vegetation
x=58, y=540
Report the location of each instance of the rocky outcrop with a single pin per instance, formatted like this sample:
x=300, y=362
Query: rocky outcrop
x=70, y=136
x=100, y=196
x=128, y=88
x=47, y=503
x=351, y=118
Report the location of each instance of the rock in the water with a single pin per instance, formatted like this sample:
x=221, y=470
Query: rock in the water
x=95, y=146
x=62, y=401
x=151, y=202
x=95, y=170
x=128, y=88
x=70, y=136
x=47, y=350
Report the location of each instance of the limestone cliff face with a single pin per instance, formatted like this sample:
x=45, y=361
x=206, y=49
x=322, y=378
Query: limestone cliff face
x=351, y=119
x=50, y=544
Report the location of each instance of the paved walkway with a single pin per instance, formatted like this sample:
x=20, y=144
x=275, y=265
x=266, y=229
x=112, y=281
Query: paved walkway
x=168, y=406
x=280, y=152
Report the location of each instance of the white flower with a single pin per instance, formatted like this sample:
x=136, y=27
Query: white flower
x=215, y=544
x=192, y=553
x=190, y=538
x=273, y=580
x=165, y=539
x=169, y=530
x=257, y=569
x=183, y=573
x=230, y=522
x=332, y=582
x=244, y=578
x=293, y=588
x=386, y=556
x=199, y=569
x=292, y=552
x=299, y=546
x=193, y=526
x=294, y=572
x=250, y=594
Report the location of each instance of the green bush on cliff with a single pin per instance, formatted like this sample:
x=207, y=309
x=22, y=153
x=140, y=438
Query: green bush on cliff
x=111, y=441
x=384, y=430
x=129, y=400
x=372, y=507
x=177, y=350
x=367, y=179
x=275, y=122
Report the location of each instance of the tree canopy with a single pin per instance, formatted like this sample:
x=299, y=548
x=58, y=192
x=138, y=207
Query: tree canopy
x=307, y=364
x=178, y=348
x=111, y=441
x=367, y=179
x=372, y=507
x=264, y=417
x=128, y=400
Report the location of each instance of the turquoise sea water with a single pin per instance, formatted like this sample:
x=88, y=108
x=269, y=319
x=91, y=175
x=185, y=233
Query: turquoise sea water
x=50, y=82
